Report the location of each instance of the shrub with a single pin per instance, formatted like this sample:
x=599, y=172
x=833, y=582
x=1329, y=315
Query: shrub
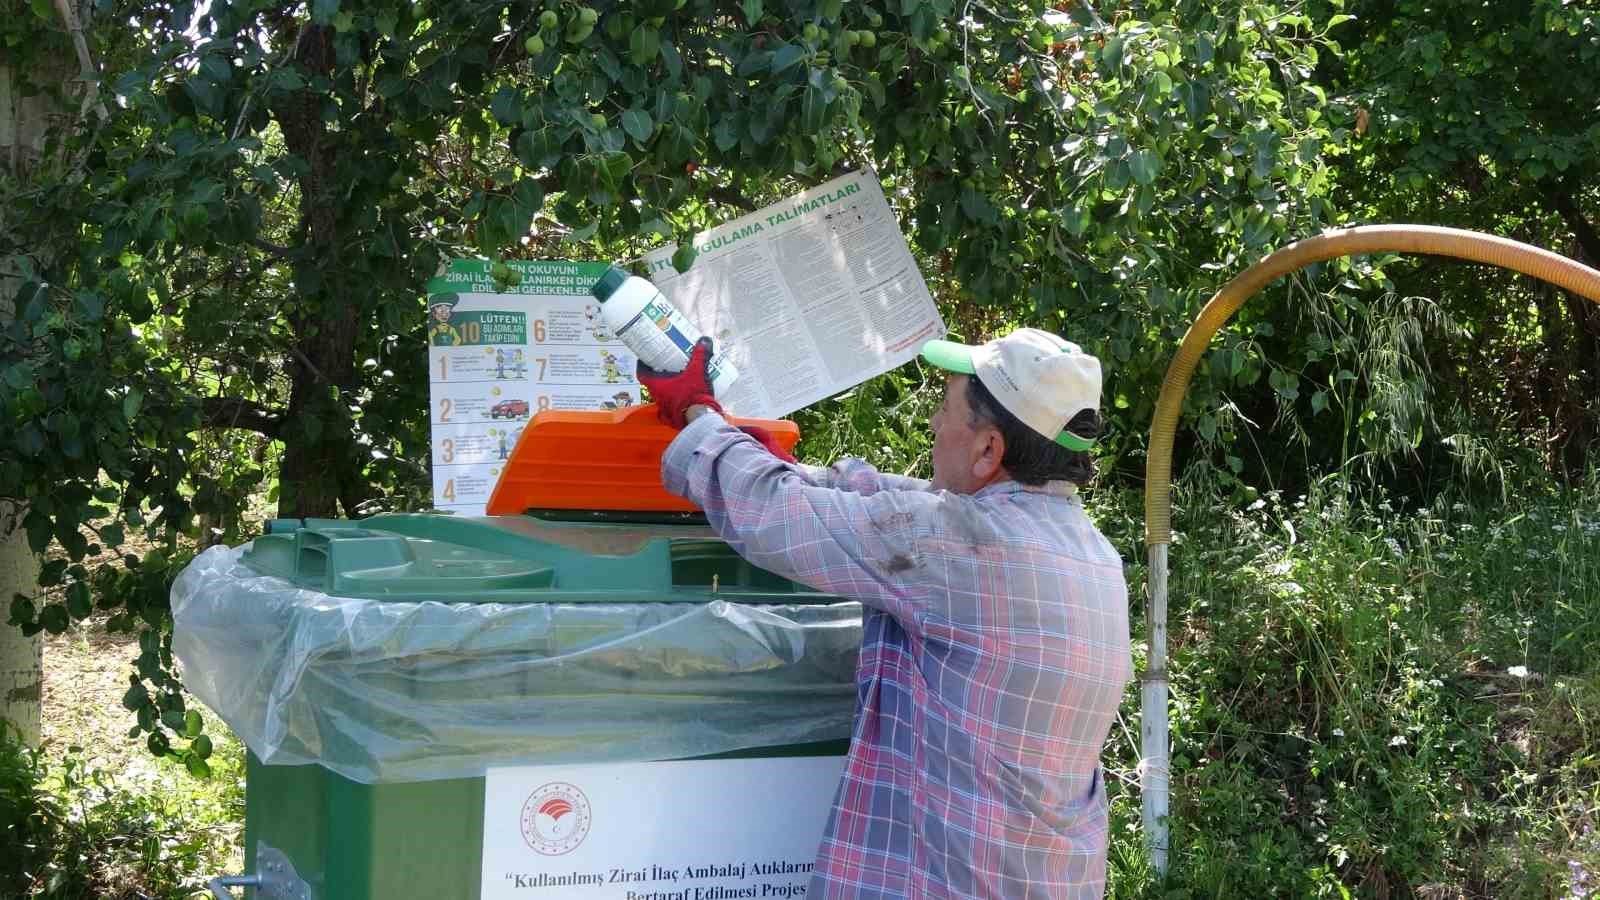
x=70, y=832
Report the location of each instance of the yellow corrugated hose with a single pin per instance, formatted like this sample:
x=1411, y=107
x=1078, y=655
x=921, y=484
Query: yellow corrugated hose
x=1422, y=239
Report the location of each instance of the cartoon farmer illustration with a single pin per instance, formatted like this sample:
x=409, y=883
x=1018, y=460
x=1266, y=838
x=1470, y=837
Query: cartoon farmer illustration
x=609, y=367
x=620, y=400
x=499, y=364
x=502, y=444
x=442, y=333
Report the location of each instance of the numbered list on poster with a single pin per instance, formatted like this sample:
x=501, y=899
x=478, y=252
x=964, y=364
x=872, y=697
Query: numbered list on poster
x=496, y=357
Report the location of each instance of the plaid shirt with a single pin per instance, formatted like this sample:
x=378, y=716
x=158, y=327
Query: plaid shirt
x=993, y=658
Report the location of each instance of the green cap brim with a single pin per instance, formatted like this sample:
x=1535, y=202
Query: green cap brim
x=950, y=356
x=1072, y=442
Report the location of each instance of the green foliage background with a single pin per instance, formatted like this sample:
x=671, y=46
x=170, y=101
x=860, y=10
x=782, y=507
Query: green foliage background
x=214, y=269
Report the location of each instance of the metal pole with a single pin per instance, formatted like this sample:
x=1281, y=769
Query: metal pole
x=1154, y=771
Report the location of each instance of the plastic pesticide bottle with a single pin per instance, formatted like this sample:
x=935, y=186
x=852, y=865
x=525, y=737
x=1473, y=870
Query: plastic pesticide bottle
x=653, y=328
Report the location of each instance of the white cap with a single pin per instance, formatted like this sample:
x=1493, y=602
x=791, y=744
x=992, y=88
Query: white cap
x=1038, y=377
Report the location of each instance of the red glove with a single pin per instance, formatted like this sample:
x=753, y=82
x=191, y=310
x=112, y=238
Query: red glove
x=675, y=392
x=768, y=441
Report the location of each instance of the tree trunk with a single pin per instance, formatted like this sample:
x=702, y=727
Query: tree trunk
x=318, y=451
x=21, y=658
x=22, y=126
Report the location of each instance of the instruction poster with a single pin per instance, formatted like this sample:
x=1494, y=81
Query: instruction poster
x=496, y=358
x=809, y=297
x=691, y=830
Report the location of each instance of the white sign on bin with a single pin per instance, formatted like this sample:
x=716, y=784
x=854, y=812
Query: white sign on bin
x=690, y=830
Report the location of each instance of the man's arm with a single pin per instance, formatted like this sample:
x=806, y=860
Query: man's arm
x=848, y=474
x=859, y=476
x=854, y=545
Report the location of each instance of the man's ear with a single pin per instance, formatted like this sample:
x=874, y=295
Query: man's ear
x=989, y=448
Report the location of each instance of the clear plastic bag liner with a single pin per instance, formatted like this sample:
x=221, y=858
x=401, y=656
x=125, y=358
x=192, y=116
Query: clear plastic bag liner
x=383, y=691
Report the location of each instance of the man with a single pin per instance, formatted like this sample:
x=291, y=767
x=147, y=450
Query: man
x=995, y=635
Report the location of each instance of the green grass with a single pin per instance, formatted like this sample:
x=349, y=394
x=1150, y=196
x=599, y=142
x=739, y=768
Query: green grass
x=1375, y=703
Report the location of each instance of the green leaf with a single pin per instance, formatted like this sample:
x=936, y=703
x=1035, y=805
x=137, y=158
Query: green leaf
x=391, y=86
x=813, y=110
x=1111, y=54
x=786, y=56
x=614, y=167
x=1146, y=165
x=19, y=376
x=636, y=122
x=977, y=207
x=197, y=767
x=684, y=257
x=506, y=106
x=1117, y=175
x=1196, y=99
x=131, y=403
x=201, y=746
x=323, y=11
x=90, y=305
x=80, y=603
x=761, y=130
x=529, y=195
x=192, y=725
x=754, y=63
x=54, y=618
x=643, y=45
x=23, y=610
x=674, y=62
x=726, y=135
x=752, y=11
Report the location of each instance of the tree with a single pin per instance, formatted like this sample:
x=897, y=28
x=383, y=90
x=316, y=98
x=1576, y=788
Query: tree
x=275, y=182
x=1484, y=116
x=33, y=103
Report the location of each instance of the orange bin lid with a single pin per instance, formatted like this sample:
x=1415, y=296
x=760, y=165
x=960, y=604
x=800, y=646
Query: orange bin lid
x=602, y=461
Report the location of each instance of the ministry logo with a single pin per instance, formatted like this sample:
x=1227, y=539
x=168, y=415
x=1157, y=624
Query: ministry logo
x=555, y=820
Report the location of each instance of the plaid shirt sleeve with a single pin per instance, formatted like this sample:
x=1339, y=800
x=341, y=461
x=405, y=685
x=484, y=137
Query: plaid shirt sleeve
x=859, y=476
x=857, y=540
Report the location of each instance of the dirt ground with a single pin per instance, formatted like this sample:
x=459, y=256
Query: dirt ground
x=85, y=675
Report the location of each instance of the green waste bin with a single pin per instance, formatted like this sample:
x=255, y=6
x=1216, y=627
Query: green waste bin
x=378, y=670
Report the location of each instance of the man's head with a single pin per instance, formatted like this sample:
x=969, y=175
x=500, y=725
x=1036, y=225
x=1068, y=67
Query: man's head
x=1023, y=407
